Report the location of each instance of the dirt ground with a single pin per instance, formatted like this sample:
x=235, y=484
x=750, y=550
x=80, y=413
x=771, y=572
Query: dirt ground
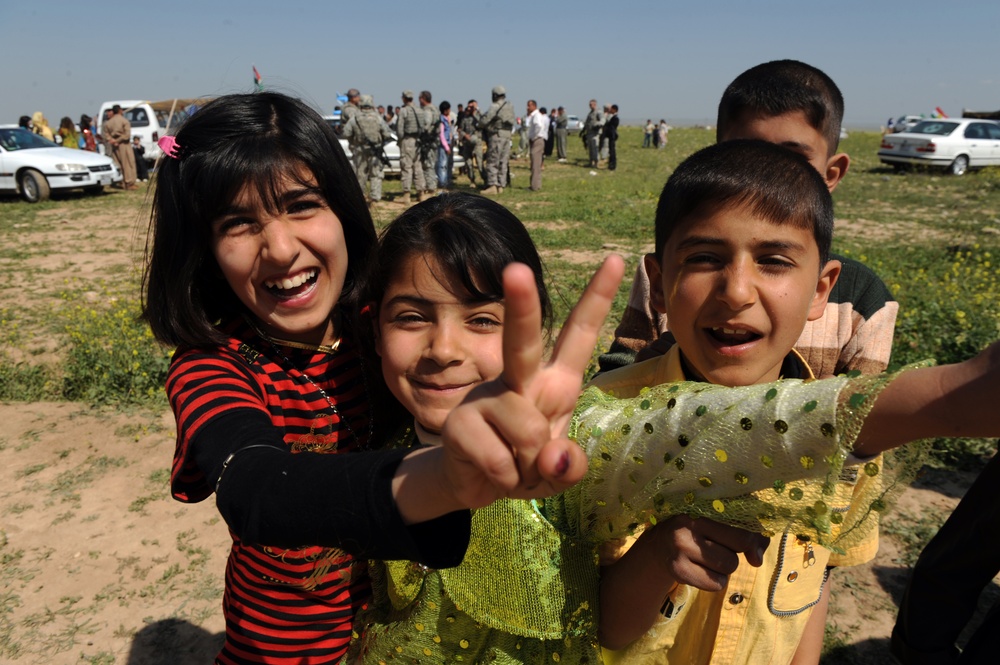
x=100, y=565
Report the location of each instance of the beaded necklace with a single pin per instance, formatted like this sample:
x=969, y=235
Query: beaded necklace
x=328, y=349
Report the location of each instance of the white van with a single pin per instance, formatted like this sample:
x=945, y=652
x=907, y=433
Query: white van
x=150, y=120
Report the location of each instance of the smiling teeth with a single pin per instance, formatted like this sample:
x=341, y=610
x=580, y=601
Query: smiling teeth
x=291, y=282
x=731, y=331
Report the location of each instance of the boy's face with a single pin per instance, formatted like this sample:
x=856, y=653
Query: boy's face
x=793, y=131
x=737, y=290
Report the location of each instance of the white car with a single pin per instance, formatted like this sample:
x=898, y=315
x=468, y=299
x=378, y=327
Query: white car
x=573, y=124
x=34, y=167
x=954, y=144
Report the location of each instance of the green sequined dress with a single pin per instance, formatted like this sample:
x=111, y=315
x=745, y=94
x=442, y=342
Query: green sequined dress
x=761, y=457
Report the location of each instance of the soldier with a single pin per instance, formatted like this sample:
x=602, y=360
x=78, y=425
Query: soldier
x=350, y=109
x=429, y=142
x=409, y=123
x=469, y=143
x=367, y=130
x=592, y=131
x=497, y=123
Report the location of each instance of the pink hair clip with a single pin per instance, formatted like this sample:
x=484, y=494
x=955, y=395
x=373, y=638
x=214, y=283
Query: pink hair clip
x=169, y=146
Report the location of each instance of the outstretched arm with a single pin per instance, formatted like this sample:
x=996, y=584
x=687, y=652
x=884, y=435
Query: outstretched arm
x=946, y=401
x=508, y=437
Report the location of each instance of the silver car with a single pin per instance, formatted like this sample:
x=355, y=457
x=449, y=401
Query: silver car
x=954, y=144
x=35, y=167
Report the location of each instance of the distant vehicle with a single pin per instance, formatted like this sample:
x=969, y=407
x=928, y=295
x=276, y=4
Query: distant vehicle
x=905, y=122
x=149, y=120
x=573, y=124
x=34, y=167
x=955, y=144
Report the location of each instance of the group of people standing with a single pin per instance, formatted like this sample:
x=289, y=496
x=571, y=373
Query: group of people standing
x=655, y=135
x=116, y=135
x=600, y=135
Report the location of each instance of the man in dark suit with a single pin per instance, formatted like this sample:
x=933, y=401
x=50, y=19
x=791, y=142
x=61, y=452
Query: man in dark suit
x=611, y=134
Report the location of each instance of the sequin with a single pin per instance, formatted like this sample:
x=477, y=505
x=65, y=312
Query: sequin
x=721, y=455
x=827, y=429
x=689, y=498
x=854, y=373
x=795, y=493
x=701, y=410
x=626, y=429
x=857, y=399
x=705, y=481
x=837, y=518
x=878, y=505
x=667, y=457
x=679, y=463
x=597, y=432
x=719, y=506
x=648, y=427
x=871, y=469
x=555, y=657
x=746, y=424
x=821, y=508
x=767, y=461
x=779, y=486
x=644, y=405
x=427, y=652
x=638, y=460
x=780, y=426
x=807, y=462
x=606, y=456
x=770, y=394
x=419, y=627
x=463, y=643
x=810, y=406
x=683, y=440
x=741, y=478
x=671, y=403
x=437, y=639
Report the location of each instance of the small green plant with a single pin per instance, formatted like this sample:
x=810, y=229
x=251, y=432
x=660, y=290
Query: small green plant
x=113, y=357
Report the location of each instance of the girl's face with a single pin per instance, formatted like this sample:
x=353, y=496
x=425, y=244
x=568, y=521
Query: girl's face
x=288, y=268
x=435, y=344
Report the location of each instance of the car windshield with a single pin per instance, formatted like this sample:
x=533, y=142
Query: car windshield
x=22, y=139
x=935, y=127
x=180, y=115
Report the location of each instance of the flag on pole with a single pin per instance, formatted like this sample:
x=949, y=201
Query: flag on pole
x=257, y=80
x=940, y=112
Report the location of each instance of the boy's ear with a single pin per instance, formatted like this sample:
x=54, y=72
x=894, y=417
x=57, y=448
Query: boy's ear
x=827, y=278
x=836, y=169
x=657, y=300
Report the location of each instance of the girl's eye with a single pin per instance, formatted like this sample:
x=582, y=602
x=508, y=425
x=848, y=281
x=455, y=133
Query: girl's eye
x=408, y=318
x=303, y=205
x=485, y=323
x=233, y=226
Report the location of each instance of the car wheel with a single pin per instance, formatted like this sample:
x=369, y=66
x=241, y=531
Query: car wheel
x=34, y=186
x=959, y=166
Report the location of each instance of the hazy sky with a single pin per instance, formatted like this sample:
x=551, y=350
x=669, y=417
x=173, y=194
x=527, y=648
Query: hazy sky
x=653, y=58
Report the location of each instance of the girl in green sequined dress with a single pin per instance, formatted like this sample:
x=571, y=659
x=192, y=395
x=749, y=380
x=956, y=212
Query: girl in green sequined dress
x=527, y=590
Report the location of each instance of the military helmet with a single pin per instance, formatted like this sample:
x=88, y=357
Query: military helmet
x=499, y=91
x=407, y=94
x=366, y=102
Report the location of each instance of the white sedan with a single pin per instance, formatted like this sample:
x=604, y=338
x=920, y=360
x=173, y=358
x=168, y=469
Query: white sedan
x=955, y=144
x=34, y=167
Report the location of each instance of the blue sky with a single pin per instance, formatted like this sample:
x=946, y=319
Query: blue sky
x=653, y=58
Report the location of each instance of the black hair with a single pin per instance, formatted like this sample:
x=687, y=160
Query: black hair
x=771, y=181
x=24, y=121
x=235, y=142
x=426, y=96
x=784, y=86
x=471, y=237
x=85, y=121
x=445, y=106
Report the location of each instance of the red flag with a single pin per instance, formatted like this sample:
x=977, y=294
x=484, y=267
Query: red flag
x=940, y=112
x=257, y=78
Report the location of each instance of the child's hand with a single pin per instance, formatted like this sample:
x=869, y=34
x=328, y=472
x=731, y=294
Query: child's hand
x=702, y=553
x=508, y=438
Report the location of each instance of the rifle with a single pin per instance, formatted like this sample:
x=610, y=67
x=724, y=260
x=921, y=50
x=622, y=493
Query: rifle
x=378, y=149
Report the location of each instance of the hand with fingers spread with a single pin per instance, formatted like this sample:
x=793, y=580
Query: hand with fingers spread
x=508, y=438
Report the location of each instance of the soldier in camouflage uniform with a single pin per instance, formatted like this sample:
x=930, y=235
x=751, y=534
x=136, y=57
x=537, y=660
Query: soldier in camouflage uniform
x=348, y=111
x=409, y=126
x=497, y=123
x=468, y=137
x=368, y=131
x=429, y=142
